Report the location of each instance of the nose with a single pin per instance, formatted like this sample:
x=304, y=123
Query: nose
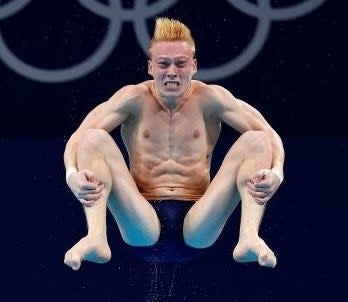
x=171, y=72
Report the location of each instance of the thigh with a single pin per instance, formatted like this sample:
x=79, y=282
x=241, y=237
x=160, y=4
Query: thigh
x=206, y=219
x=136, y=219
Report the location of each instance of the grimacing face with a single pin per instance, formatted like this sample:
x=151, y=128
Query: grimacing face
x=172, y=66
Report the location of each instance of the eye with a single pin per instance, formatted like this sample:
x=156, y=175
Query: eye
x=181, y=64
x=163, y=64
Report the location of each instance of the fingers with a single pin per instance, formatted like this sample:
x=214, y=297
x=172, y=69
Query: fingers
x=88, y=197
x=88, y=193
x=264, y=180
x=87, y=186
x=261, y=197
x=90, y=176
x=265, y=184
x=87, y=203
x=260, y=175
x=83, y=185
x=262, y=186
x=82, y=180
x=86, y=189
x=261, y=194
x=262, y=201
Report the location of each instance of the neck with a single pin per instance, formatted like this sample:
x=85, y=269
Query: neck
x=173, y=104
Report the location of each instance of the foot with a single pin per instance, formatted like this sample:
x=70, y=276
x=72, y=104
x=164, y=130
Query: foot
x=255, y=250
x=89, y=249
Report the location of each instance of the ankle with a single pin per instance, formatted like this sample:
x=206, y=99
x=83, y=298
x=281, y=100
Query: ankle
x=248, y=235
x=96, y=235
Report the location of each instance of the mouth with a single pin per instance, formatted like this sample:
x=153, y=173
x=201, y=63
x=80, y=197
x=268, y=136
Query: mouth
x=171, y=84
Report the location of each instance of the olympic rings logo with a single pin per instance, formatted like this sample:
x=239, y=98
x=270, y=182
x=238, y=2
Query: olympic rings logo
x=116, y=14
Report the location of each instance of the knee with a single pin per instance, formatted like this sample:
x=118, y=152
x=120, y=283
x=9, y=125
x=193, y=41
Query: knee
x=141, y=240
x=256, y=141
x=142, y=234
x=196, y=242
x=94, y=139
x=194, y=236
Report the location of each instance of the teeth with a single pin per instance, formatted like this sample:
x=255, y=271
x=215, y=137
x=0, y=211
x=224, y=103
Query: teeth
x=172, y=84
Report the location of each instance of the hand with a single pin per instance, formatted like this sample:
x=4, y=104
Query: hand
x=85, y=187
x=263, y=185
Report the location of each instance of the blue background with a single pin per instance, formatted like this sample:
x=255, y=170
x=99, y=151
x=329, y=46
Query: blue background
x=295, y=81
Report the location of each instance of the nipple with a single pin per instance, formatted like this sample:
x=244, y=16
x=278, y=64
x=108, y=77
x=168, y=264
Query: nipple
x=146, y=134
x=196, y=134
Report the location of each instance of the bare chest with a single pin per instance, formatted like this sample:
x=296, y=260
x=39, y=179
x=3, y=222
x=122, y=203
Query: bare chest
x=158, y=132
x=178, y=127
x=180, y=134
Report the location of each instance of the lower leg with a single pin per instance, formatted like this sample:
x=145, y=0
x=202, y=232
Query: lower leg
x=250, y=246
x=206, y=219
x=136, y=218
x=94, y=246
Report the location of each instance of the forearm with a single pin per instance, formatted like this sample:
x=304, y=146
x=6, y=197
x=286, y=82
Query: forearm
x=243, y=117
x=70, y=152
x=278, y=154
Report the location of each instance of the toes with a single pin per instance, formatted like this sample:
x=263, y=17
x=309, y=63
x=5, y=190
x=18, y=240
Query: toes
x=75, y=265
x=71, y=261
x=267, y=259
x=263, y=259
x=67, y=257
x=255, y=253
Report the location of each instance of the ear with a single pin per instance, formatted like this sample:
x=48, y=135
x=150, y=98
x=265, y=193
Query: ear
x=194, y=66
x=149, y=67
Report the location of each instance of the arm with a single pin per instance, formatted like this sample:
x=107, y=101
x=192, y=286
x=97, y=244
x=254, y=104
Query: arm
x=106, y=116
x=278, y=154
x=243, y=117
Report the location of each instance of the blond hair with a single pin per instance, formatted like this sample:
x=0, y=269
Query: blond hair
x=171, y=30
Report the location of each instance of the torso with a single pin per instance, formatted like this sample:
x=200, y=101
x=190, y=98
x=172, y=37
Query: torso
x=170, y=153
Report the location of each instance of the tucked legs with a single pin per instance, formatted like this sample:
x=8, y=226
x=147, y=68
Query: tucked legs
x=206, y=219
x=135, y=217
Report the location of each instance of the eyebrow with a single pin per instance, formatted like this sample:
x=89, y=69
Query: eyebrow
x=175, y=58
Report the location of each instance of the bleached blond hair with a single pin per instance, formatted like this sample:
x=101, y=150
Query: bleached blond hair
x=171, y=30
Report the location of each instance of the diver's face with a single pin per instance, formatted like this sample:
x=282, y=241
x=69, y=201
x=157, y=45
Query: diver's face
x=172, y=66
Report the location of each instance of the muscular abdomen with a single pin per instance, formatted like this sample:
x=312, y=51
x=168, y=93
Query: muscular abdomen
x=170, y=155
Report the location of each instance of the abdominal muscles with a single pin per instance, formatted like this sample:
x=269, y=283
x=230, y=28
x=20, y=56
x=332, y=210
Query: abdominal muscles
x=158, y=177
x=170, y=155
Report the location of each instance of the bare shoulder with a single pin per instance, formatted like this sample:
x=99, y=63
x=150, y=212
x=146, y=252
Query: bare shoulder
x=128, y=97
x=216, y=96
x=130, y=92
